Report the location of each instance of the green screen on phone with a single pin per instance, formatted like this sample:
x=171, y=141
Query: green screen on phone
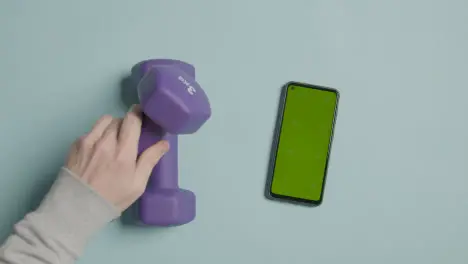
x=304, y=142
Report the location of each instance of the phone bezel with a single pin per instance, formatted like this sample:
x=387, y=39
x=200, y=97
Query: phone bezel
x=275, y=143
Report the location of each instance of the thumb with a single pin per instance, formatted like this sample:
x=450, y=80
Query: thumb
x=150, y=157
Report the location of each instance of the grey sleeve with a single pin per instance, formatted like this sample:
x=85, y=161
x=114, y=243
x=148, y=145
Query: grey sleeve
x=59, y=229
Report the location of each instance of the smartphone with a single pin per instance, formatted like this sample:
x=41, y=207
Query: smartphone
x=302, y=143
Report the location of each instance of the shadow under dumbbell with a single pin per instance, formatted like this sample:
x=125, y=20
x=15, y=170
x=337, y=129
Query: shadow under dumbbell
x=129, y=219
x=129, y=97
x=129, y=223
x=128, y=92
x=129, y=216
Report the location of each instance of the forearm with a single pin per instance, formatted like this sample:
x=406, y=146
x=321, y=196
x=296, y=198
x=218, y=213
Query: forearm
x=59, y=229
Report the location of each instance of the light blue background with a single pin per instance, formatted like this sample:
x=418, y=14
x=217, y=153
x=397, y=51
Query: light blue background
x=398, y=178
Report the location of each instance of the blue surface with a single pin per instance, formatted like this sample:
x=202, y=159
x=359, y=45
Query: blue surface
x=397, y=186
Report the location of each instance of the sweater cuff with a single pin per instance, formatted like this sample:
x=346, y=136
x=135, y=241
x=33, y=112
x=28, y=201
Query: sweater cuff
x=72, y=212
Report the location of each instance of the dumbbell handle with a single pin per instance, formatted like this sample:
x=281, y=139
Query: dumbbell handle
x=165, y=173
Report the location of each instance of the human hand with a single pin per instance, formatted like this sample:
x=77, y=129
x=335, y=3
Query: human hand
x=107, y=159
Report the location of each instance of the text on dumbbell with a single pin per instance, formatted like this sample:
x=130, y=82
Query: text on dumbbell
x=190, y=89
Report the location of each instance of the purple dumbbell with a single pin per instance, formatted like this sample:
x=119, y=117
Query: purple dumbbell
x=173, y=103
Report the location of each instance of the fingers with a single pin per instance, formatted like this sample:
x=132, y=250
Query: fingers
x=130, y=129
x=98, y=129
x=149, y=158
x=112, y=130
